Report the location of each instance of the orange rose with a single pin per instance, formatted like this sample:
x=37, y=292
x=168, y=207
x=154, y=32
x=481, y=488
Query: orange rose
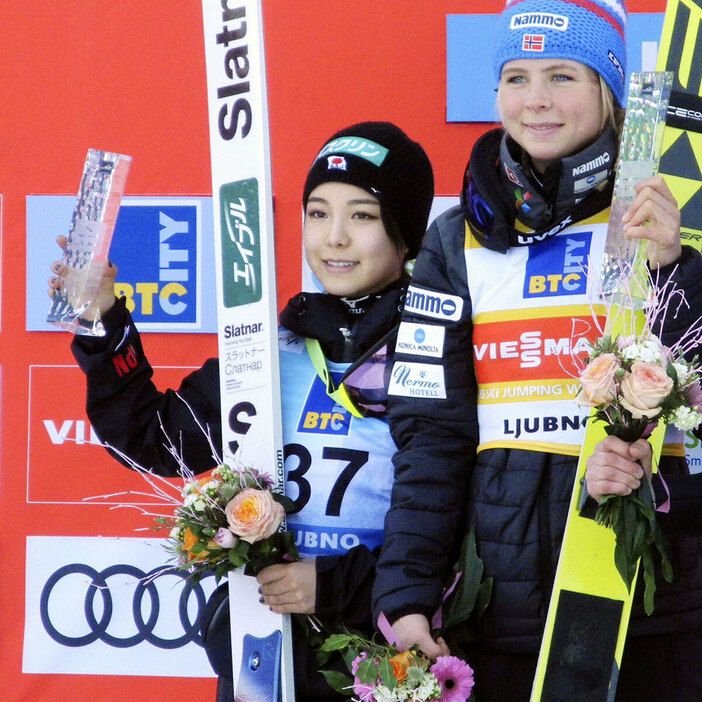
x=645, y=388
x=399, y=664
x=189, y=540
x=254, y=514
x=598, y=386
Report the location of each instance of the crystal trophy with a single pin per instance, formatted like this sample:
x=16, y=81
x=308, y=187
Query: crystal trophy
x=622, y=279
x=74, y=306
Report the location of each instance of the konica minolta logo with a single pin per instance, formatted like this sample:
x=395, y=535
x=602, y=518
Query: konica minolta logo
x=430, y=303
x=545, y=20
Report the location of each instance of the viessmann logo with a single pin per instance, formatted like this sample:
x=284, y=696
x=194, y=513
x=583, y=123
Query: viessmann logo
x=241, y=243
x=531, y=348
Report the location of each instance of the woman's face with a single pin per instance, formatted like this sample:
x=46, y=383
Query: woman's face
x=345, y=241
x=551, y=107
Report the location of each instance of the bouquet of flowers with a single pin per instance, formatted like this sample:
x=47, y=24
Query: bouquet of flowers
x=226, y=520
x=382, y=673
x=634, y=382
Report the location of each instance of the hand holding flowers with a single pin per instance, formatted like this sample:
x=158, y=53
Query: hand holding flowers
x=227, y=520
x=382, y=673
x=635, y=382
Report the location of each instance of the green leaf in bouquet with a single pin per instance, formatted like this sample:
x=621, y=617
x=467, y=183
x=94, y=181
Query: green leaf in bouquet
x=198, y=548
x=387, y=675
x=641, y=536
x=239, y=553
x=338, y=681
x=607, y=513
x=649, y=580
x=461, y=602
x=660, y=544
x=263, y=548
x=624, y=540
x=222, y=569
x=367, y=671
x=337, y=642
x=352, y=653
x=287, y=541
x=288, y=504
x=483, y=598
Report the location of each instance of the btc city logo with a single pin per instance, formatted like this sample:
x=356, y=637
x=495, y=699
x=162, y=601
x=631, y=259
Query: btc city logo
x=99, y=607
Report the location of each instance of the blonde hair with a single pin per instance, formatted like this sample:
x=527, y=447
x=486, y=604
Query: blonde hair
x=612, y=114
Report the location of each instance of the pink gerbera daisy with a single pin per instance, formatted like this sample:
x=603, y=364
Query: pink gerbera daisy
x=364, y=691
x=455, y=678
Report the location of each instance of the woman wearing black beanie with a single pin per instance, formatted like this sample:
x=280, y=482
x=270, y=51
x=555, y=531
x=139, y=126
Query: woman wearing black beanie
x=367, y=199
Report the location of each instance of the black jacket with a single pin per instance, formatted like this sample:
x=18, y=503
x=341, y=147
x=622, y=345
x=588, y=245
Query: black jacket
x=516, y=500
x=131, y=415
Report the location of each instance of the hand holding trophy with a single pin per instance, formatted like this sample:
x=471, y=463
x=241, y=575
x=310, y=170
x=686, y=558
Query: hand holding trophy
x=81, y=289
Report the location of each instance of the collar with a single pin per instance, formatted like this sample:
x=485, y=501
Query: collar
x=539, y=199
x=345, y=331
x=496, y=187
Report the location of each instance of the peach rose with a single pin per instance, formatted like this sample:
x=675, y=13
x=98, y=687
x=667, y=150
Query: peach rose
x=645, y=388
x=598, y=386
x=254, y=514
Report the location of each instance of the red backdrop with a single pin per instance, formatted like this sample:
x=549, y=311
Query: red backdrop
x=130, y=77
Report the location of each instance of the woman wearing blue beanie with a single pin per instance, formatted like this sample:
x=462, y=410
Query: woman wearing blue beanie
x=490, y=439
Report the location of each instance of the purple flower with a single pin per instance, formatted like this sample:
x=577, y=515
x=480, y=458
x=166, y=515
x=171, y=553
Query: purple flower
x=225, y=538
x=263, y=479
x=455, y=678
x=694, y=392
x=363, y=690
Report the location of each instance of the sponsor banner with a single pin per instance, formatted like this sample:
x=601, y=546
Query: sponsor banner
x=61, y=441
x=532, y=349
x=420, y=340
x=162, y=247
x=102, y=606
x=418, y=380
x=470, y=94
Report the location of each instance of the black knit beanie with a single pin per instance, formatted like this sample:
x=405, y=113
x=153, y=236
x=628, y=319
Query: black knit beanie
x=382, y=160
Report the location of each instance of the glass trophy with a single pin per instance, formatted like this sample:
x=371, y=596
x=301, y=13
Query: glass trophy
x=623, y=276
x=75, y=305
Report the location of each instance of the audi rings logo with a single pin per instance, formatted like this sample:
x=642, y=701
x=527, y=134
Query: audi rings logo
x=100, y=608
